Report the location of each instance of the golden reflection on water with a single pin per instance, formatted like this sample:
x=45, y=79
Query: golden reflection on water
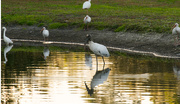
x=60, y=78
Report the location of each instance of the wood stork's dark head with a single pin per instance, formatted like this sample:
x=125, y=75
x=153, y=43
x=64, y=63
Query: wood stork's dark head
x=88, y=38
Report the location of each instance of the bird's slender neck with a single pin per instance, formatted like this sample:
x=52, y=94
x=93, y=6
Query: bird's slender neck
x=4, y=32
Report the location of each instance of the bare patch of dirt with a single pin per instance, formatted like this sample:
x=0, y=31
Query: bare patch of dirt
x=149, y=42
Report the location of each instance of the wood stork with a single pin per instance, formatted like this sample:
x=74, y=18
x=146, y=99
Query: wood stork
x=45, y=33
x=98, y=49
x=176, y=31
x=87, y=5
x=87, y=20
x=6, y=39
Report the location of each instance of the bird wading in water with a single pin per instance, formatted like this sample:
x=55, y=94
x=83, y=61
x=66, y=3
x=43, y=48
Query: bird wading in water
x=97, y=49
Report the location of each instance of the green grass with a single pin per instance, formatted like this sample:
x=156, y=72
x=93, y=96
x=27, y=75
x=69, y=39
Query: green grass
x=115, y=15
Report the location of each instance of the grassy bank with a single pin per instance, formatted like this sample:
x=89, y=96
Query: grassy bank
x=115, y=15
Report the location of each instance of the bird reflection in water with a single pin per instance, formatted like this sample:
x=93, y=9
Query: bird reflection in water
x=6, y=50
x=176, y=69
x=88, y=60
x=46, y=52
x=98, y=78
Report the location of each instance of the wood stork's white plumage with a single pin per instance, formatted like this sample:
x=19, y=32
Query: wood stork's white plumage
x=87, y=20
x=45, y=33
x=98, y=49
x=6, y=50
x=176, y=31
x=5, y=38
x=87, y=5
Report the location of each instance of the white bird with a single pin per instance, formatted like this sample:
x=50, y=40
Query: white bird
x=176, y=31
x=6, y=50
x=87, y=5
x=6, y=39
x=98, y=49
x=45, y=33
x=87, y=20
x=99, y=78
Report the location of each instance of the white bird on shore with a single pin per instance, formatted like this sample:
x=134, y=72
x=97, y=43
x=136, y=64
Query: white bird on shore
x=98, y=49
x=87, y=20
x=87, y=5
x=176, y=31
x=6, y=39
x=45, y=33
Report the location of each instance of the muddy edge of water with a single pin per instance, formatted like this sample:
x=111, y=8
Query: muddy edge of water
x=149, y=42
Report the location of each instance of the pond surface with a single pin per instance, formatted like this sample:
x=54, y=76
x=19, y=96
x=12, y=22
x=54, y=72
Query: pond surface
x=50, y=76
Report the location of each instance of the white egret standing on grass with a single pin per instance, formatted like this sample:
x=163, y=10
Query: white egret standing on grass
x=45, y=33
x=87, y=5
x=98, y=49
x=176, y=31
x=87, y=20
x=6, y=39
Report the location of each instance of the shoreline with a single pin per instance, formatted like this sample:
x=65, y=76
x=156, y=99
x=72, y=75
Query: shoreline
x=143, y=43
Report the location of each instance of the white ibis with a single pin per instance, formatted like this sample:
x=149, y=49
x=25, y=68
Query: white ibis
x=45, y=33
x=87, y=20
x=6, y=39
x=176, y=31
x=87, y=5
x=98, y=49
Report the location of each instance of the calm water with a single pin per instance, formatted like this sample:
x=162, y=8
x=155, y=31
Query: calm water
x=64, y=77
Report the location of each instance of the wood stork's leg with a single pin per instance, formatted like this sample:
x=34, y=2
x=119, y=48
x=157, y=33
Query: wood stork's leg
x=103, y=60
x=96, y=63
